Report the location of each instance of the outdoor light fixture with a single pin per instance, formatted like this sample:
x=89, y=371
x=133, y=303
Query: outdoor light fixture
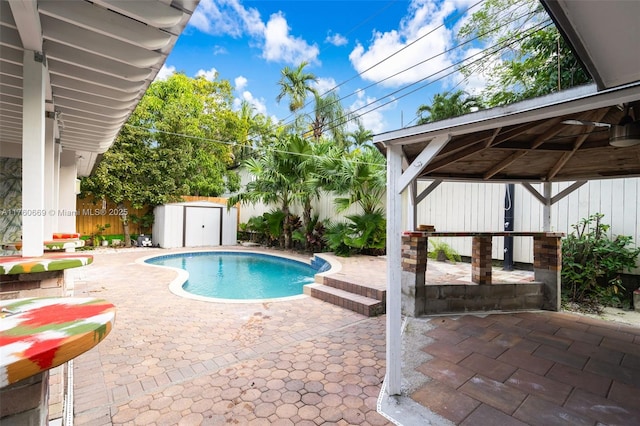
x=625, y=134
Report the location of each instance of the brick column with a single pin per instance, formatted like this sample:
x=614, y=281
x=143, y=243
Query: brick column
x=481, y=260
x=414, y=268
x=547, y=264
x=25, y=402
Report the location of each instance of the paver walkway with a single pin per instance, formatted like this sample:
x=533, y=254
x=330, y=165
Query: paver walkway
x=171, y=360
x=536, y=368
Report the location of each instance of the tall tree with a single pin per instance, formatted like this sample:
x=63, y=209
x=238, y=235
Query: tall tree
x=296, y=84
x=447, y=105
x=530, y=57
x=329, y=117
x=169, y=147
x=279, y=178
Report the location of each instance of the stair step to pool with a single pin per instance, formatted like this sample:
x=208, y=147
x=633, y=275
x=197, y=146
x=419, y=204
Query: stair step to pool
x=346, y=284
x=355, y=302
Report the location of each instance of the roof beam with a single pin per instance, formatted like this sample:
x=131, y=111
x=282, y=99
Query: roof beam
x=99, y=44
x=504, y=164
x=25, y=15
x=576, y=146
x=422, y=160
x=460, y=155
x=106, y=22
x=160, y=15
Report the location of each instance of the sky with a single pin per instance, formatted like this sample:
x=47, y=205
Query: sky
x=374, y=52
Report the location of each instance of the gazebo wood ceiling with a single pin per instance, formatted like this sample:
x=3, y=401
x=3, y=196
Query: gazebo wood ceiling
x=536, y=149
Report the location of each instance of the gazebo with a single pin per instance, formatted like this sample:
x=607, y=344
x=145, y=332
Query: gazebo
x=589, y=132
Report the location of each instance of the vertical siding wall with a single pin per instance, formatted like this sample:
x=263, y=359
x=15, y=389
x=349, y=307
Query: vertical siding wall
x=455, y=206
x=480, y=207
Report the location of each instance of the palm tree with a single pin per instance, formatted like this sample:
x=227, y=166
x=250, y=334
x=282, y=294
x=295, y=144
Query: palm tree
x=295, y=84
x=330, y=117
x=447, y=105
x=282, y=177
x=360, y=136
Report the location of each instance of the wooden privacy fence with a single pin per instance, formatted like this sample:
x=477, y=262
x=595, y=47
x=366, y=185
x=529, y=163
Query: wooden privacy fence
x=90, y=213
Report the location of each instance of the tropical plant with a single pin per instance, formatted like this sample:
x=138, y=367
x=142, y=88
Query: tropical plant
x=279, y=179
x=360, y=177
x=311, y=235
x=362, y=233
x=295, y=84
x=592, y=262
x=447, y=105
x=442, y=251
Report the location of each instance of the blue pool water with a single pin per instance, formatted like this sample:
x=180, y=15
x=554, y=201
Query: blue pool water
x=232, y=275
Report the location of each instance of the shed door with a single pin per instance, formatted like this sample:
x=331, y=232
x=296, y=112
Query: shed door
x=202, y=226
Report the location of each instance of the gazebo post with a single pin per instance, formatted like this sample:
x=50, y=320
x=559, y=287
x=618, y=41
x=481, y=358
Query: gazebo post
x=394, y=270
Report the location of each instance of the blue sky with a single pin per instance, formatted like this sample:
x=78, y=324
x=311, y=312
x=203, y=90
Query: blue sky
x=249, y=42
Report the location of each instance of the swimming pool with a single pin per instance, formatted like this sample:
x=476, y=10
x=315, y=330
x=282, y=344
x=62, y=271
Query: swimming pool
x=239, y=275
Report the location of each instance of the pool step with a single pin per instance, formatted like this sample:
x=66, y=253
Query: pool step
x=356, y=302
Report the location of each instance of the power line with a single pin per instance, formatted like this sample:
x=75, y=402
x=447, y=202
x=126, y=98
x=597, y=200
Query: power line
x=418, y=63
x=235, y=144
x=496, y=47
x=459, y=13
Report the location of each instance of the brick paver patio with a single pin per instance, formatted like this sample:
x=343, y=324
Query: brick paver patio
x=176, y=361
x=171, y=360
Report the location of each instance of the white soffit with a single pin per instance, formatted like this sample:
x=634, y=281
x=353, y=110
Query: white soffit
x=604, y=34
x=101, y=56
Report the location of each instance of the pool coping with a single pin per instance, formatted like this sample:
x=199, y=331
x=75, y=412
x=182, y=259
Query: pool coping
x=176, y=285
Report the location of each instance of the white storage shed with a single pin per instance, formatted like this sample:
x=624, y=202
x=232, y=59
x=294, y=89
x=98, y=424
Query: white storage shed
x=195, y=224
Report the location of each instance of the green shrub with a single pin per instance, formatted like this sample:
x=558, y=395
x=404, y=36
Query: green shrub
x=442, y=251
x=363, y=233
x=592, y=263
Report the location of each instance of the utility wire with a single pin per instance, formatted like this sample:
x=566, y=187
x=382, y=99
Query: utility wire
x=494, y=49
x=385, y=59
x=235, y=144
x=419, y=63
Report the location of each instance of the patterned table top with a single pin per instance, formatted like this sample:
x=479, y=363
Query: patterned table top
x=37, y=334
x=49, y=262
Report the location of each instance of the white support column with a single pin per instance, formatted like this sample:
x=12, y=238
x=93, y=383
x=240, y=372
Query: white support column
x=394, y=270
x=546, y=210
x=57, y=150
x=67, y=192
x=49, y=177
x=33, y=153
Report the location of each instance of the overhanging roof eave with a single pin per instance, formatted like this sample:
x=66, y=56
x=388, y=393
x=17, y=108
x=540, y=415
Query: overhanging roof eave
x=569, y=101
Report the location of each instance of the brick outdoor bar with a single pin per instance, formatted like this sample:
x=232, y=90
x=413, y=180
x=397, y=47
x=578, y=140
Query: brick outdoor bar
x=418, y=297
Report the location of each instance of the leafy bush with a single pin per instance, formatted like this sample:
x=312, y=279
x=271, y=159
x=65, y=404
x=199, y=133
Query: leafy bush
x=442, y=251
x=268, y=227
x=311, y=236
x=363, y=233
x=592, y=263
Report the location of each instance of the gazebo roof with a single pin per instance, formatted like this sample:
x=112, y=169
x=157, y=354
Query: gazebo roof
x=531, y=141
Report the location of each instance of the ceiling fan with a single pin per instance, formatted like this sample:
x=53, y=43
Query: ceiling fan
x=624, y=134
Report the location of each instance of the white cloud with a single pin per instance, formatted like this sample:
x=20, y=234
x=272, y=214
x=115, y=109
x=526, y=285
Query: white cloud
x=258, y=104
x=418, y=38
x=219, y=50
x=210, y=75
x=370, y=112
x=324, y=84
x=240, y=82
x=280, y=46
x=165, y=72
x=229, y=17
x=336, y=39
x=226, y=17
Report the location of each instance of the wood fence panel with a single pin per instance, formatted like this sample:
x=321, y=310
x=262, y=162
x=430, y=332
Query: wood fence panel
x=91, y=213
